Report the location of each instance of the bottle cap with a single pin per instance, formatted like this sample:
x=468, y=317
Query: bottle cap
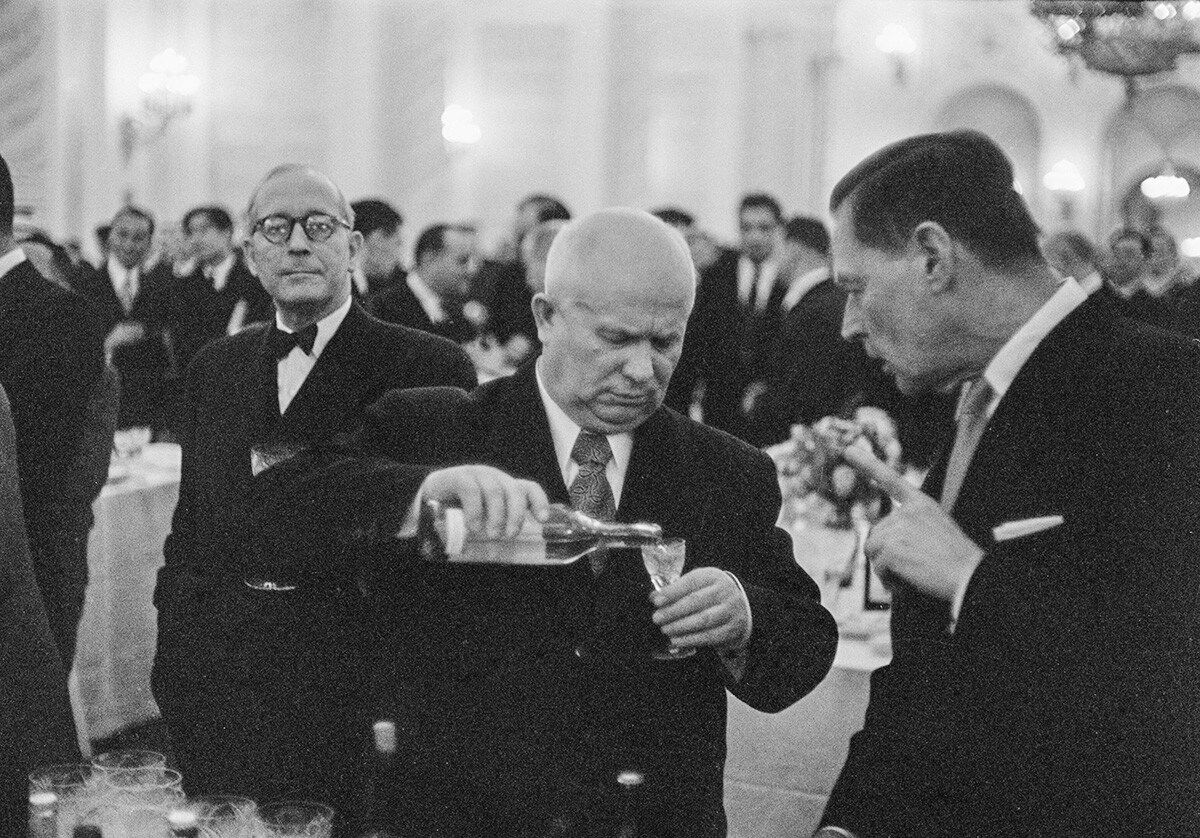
x=456, y=530
x=385, y=736
x=42, y=799
x=182, y=818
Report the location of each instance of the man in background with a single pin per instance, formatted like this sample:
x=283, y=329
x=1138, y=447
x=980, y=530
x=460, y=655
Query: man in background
x=256, y=704
x=380, y=260
x=50, y=361
x=736, y=322
x=431, y=297
x=1044, y=676
x=134, y=304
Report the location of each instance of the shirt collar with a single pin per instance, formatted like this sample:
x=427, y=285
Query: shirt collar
x=430, y=302
x=220, y=271
x=327, y=326
x=802, y=284
x=564, y=431
x=10, y=260
x=1002, y=370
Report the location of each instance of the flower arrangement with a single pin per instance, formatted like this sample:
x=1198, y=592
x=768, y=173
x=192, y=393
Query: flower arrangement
x=817, y=484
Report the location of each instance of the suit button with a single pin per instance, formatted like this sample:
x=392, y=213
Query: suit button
x=581, y=651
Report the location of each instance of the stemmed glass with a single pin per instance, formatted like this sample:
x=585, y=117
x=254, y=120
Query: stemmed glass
x=664, y=562
x=296, y=819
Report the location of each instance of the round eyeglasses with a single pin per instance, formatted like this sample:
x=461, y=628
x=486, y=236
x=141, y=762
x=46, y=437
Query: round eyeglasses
x=318, y=226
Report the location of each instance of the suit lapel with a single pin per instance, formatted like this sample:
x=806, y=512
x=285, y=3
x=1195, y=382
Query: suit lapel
x=659, y=465
x=519, y=438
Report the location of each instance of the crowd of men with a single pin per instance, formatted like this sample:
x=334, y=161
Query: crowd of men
x=1044, y=676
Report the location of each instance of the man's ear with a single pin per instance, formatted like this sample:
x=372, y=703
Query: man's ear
x=938, y=253
x=543, y=310
x=248, y=252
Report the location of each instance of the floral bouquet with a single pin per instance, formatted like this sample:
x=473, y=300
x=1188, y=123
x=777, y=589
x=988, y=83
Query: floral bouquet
x=818, y=486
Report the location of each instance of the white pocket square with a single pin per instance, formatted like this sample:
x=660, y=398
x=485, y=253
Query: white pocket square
x=1026, y=526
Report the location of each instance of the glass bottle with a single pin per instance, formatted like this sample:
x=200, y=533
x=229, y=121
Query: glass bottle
x=184, y=823
x=630, y=782
x=566, y=536
x=383, y=760
x=43, y=814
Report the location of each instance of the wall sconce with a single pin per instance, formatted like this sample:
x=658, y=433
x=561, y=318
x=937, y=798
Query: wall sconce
x=458, y=126
x=895, y=42
x=167, y=93
x=1064, y=181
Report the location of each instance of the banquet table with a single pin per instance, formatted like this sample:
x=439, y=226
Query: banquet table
x=111, y=674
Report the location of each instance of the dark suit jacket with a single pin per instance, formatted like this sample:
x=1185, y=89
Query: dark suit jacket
x=218, y=650
x=36, y=726
x=1065, y=702
x=727, y=347
x=521, y=692
x=399, y=304
x=143, y=365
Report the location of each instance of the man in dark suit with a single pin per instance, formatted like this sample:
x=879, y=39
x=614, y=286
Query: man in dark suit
x=523, y=692
x=296, y=382
x=379, y=262
x=736, y=321
x=219, y=295
x=50, y=360
x=1044, y=678
x=133, y=302
x=431, y=297
x=36, y=726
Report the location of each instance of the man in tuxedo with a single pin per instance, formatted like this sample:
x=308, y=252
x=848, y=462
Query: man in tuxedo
x=50, y=361
x=735, y=324
x=379, y=260
x=431, y=297
x=249, y=396
x=133, y=302
x=523, y=692
x=1044, y=671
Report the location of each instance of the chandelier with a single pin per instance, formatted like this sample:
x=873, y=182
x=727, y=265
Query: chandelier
x=1126, y=39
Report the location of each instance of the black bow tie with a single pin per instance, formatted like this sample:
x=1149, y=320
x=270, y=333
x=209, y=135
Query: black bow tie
x=282, y=342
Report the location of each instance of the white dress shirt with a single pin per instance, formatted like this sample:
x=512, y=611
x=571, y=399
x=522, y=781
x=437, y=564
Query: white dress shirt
x=766, y=281
x=430, y=302
x=802, y=284
x=219, y=273
x=125, y=281
x=10, y=260
x=564, y=432
x=294, y=367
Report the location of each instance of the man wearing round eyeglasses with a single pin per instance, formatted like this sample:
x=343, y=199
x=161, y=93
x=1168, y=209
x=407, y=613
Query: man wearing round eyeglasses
x=259, y=694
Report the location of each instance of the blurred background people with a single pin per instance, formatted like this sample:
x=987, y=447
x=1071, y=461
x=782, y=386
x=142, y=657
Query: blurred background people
x=380, y=262
x=432, y=296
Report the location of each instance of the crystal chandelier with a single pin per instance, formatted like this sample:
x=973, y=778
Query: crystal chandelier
x=1126, y=39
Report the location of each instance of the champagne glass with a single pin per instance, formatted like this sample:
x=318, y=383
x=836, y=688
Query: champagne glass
x=664, y=562
x=225, y=816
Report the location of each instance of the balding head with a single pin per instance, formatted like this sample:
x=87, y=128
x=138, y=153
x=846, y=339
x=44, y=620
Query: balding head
x=619, y=288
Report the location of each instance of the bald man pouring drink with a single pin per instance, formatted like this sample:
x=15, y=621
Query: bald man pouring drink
x=524, y=692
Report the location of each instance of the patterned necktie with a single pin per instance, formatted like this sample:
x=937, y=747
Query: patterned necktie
x=590, y=491
x=972, y=419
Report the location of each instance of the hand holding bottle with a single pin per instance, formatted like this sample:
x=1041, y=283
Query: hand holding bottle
x=494, y=504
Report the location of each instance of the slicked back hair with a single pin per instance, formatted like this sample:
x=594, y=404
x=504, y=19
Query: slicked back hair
x=958, y=179
x=371, y=214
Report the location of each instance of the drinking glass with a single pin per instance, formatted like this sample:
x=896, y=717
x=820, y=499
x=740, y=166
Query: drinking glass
x=296, y=819
x=225, y=816
x=664, y=562
x=75, y=787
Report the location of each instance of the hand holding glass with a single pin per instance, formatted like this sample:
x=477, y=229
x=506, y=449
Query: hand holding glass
x=664, y=562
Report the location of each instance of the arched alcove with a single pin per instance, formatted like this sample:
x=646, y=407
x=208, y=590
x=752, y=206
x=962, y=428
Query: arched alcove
x=1008, y=118
x=1156, y=128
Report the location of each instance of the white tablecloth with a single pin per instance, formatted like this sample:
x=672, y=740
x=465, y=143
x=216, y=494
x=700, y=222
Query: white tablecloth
x=117, y=633
x=780, y=768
